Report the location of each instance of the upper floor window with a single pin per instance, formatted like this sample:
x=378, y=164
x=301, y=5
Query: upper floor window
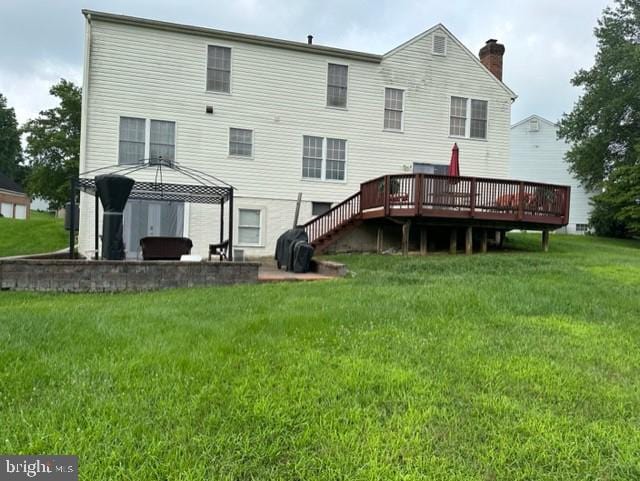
x=393, y=108
x=324, y=159
x=135, y=146
x=219, y=69
x=468, y=118
x=162, y=141
x=337, y=85
x=241, y=142
x=132, y=140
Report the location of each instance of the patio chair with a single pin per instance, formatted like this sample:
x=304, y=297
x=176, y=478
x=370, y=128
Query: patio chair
x=219, y=249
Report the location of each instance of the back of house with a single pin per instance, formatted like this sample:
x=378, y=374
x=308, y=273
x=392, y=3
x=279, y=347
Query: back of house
x=538, y=155
x=275, y=118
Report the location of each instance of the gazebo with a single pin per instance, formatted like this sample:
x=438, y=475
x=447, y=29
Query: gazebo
x=202, y=188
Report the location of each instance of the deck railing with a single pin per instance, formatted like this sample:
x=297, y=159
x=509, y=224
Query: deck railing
x=334, y=218
x=448, y=197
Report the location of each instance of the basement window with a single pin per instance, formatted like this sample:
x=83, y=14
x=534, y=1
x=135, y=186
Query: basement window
x=249, y=224
x=319, y=208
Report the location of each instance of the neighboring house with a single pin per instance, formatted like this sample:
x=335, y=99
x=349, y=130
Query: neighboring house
x=274, y=118
x=538, y=155
x=14, y=203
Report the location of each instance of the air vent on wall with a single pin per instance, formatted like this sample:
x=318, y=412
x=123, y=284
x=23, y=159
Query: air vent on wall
x=534, y=125
x=439, y=44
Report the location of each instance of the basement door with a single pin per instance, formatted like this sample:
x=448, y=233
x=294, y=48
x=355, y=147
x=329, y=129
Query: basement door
x=144, y=218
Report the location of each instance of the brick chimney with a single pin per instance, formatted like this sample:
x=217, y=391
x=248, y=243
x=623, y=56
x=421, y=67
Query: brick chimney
x=491, y=57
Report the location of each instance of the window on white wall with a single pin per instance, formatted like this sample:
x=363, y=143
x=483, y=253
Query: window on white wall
x=393, y=108
x=324, y=159
x=219, y=69
x=458, y=121
x=336, y=159
x=337, y=79
x=468, y=118
x=312, y=157
x=132, y=140
x=319, y=208
x=241, y=142
x=249, y=226
x=162, y=141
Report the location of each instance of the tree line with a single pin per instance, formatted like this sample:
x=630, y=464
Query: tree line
x=603, y=130
x=51, y=153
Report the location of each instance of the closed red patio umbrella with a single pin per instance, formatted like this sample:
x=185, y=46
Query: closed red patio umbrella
x=454, y=165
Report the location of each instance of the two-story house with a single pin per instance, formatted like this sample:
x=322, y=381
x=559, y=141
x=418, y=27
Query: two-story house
x=275, y=118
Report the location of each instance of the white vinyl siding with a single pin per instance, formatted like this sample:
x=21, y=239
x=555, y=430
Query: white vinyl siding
x=219, y=69
x=393, y=108
x=241, y=142
x=162, y=141
x=132, y=140
x=337, y=79
x=249, y=224
x=461, y=124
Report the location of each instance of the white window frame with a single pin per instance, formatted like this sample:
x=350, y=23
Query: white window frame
x=433, y=44
x=326, y=87
x=147, y=136
x=261, y=228
x=467, y=124
x=323, y=165
x=404, y=108
x=253, y=144
x=206, y=68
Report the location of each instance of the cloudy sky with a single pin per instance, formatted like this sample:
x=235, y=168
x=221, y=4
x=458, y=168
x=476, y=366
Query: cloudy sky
x=546, y=40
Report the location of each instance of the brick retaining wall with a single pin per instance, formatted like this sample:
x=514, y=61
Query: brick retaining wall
x=113, y=276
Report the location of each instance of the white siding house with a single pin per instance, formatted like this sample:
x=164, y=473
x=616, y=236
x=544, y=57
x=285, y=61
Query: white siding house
x=274, y=118
x=538, y=155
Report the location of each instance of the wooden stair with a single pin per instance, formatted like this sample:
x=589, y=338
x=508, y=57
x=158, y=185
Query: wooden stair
x=326, y=228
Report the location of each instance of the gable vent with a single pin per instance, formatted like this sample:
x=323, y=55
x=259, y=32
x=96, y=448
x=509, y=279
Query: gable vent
x=439, y=45
x=534, y=125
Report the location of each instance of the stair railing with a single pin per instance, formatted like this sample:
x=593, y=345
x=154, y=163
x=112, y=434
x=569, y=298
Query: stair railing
x=334, y=218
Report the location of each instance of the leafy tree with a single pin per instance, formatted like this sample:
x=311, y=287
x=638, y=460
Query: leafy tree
x=53, y=145
x=10, y=147
x=604, y=126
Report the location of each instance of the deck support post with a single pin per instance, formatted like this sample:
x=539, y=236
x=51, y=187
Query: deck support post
x=468, y=241
x=406, y=227
x=423, y=241
x=545, y=240
x=453, y=240
x=483, y=241
x=379, y=240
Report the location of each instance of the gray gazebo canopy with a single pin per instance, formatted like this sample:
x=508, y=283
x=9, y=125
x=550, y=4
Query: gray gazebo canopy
x=202, y=188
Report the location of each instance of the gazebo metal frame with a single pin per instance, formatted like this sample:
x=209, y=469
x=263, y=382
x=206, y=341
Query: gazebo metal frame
x=205, y=189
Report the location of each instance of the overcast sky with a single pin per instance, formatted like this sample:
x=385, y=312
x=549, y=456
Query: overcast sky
x=546, y=40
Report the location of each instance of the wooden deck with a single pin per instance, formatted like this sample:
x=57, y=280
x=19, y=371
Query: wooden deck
x=458, y=201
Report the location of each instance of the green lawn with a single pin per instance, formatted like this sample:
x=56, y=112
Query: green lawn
x=40, y=233
x=510, y=366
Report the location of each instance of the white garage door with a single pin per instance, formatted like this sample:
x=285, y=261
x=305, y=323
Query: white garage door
x=6, y=210
x=21, y=211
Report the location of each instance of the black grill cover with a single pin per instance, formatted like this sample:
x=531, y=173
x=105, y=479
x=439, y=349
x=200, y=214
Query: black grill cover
x=113, y=191
x=284, y=246
x=302, y=254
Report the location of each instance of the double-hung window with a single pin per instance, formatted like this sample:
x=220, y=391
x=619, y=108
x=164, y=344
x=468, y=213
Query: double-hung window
x=219, y=69
x=337, y=78
x=241, y=142
x=468, y=118
x=393, y=108
x=324, y=159
x=132, y=140
x=249, y=226
x=142, y=139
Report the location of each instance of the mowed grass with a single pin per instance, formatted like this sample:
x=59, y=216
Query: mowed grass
x=39, y=234
x=517, y=365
